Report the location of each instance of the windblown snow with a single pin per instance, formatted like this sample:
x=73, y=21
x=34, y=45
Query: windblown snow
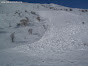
x=44, y=35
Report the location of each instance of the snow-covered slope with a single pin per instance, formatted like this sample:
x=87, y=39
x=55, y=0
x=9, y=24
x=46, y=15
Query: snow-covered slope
x=58, y=38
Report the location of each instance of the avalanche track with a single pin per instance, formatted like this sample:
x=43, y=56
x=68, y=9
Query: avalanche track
x=63, y=44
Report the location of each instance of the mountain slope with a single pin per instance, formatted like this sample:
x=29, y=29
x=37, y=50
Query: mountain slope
x=59, y=36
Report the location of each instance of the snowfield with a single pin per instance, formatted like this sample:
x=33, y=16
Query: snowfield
x=45, y=35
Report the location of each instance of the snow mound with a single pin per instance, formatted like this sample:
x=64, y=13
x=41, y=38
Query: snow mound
x=60, y=35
